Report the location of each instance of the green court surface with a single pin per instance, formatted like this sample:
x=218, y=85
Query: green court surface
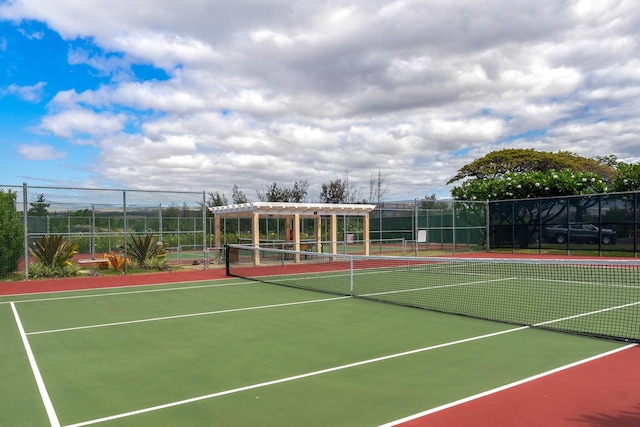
x=242, y=353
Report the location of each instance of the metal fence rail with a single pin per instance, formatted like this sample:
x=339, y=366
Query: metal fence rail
x=104, y=220
x=599, y=224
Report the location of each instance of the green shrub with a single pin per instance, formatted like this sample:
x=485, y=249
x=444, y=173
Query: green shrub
x=54, y=250
x=39, y=270
x=11, y=234
x=143, y=249
x=156, y=263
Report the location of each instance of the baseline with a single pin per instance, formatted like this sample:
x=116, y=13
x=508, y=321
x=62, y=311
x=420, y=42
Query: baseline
x=44, y=394
x=108, y=294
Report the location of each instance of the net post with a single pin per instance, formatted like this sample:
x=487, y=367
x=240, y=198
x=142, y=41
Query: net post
x=227, y=250
x=351, y=275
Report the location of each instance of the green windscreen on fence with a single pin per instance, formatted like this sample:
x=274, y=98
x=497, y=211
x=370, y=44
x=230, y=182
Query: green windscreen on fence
x=593, y=297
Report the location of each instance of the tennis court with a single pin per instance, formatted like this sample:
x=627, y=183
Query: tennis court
x=238, y=351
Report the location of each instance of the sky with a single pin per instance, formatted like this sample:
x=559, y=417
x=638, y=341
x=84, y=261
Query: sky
x=204, y=95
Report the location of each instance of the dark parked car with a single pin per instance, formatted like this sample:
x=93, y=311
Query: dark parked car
x=585, y=233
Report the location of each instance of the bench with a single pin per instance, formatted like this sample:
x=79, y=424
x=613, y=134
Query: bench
x=98, y=262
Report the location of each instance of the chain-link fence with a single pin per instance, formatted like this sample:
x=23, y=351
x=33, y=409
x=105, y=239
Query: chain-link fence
x=103, y=221
x=601, y=224
x=398, y=228
x=430, y=227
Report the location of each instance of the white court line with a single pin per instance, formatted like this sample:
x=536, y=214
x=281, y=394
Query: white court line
x=292, y=378
x=182, y=316
x=501, y=388
x=453, y=285
x=575, y=316
x=48, y=405
x=108, y=294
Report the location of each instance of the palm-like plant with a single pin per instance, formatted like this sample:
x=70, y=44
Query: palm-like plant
x=117, y=261
x=144, y=248
x=54, y=250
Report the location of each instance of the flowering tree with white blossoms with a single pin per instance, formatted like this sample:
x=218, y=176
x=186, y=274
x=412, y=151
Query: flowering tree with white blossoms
x=528, y=185
x=515, y=174
x=533, y=185
x=627, y=178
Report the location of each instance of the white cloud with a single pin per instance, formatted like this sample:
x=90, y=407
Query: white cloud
x=278, y=90
x=40, y=152
x=31, y=93
x=81, y=122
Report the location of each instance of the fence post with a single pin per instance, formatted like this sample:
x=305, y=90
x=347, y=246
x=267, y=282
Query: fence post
x=487, y=225
x=124, y=216
x=25, y=222
x=636, y=229
x=160, y=221
x=93, y=232
x=205, y=245
x=453, y=228
x=416, y=226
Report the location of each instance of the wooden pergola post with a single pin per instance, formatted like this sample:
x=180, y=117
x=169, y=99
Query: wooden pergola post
x=296, y=237
x=293, y=212
x=318, y=233
x=366, y=234
x=334, y=234
x=217, y=242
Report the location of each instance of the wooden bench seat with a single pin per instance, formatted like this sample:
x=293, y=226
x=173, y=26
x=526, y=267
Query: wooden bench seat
x=97, y=262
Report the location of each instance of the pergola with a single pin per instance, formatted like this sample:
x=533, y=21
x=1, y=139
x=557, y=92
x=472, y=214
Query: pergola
x=295, y=211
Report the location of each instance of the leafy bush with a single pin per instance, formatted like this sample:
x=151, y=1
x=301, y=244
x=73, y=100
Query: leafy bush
x=117, y=261
x=39, y=270
x=54, y=251
x=530, y=185
x=159, y=263
x=11, y=234
x=143, y=249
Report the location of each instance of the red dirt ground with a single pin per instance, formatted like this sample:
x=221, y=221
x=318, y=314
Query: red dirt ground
x=600, y=393
x=76, y=283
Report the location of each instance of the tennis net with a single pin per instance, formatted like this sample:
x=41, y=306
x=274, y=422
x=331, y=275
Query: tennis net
x=593, y=297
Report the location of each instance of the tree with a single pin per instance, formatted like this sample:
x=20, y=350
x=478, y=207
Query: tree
x=627, y=178
x=172, y=211
x=298, y=193
x=353, y=192
x=216, y=199
x=334, y=192
x=516, y=161
x=186, y=210
x=238, y=196
x=523, y=174
x=39, y=207
x=274, y=193
x=340, y=191
x=11, y=234
x=431, y=202
x=377, y=187
x=528, y=185
x=610, y=160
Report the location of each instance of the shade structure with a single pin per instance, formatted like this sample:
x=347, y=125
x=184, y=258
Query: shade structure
x=255, y=210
